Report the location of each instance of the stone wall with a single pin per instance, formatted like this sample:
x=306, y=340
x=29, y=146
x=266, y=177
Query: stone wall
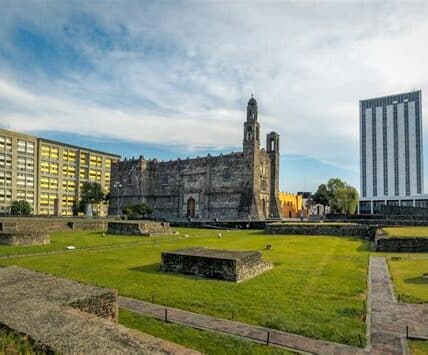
x=404, y=211
x=143, y=228
x=24, y=238
x=405, y=245
x=89, y=225
x=53, y=312
x=103, y=305
x=218, y=264
x=346, y=230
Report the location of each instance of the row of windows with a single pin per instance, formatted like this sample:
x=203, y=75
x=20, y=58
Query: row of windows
x=6, y=143
x=5, y=178
x=25, y=180
x=25, y=147
x=5, y=195
x=5, y=161
x=49, y=183
x=49, y=152
x=49, y=168
x=24, y=163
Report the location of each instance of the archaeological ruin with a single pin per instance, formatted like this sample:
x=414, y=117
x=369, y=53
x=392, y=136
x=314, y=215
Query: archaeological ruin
x=226, y=265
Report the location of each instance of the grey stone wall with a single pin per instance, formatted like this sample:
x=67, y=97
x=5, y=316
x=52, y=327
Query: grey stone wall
x=404, y=211
x=405, y=245
x=143, y=228
x=103, y=305
x=88, y=225
x=348, y=230
x=216, y=264
x=24, y=238
x=69, y=317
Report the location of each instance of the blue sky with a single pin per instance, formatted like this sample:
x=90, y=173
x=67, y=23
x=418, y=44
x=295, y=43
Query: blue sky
x=172, y=79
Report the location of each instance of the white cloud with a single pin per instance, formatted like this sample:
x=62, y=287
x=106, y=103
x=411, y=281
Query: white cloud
x=181, y=73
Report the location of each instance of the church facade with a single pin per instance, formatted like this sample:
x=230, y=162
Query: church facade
x=234, y=186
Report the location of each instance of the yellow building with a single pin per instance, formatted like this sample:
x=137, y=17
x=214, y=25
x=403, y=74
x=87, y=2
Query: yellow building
x=18, y=169
x=48, y=174
x=291, y=204
x=63, y=170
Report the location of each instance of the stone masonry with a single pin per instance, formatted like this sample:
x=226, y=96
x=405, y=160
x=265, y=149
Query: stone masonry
x=69, y=317
x=234, y=186
x=24, y=238
x=347, y=230
x=217, y=264
x=143, y=228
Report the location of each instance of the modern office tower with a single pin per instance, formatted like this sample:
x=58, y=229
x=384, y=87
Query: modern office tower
x=391, y=152
x=18, y=169
x=48, y=174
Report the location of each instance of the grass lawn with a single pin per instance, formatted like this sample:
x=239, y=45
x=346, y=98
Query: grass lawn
x=317, y=287
x=418, y=347
x=203, y=341
x=408, y=277
x=80, y=239
x=406, y=232
x=12, y=343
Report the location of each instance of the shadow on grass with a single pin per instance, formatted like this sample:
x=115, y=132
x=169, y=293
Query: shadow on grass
x=154, y=269
x=420, y=280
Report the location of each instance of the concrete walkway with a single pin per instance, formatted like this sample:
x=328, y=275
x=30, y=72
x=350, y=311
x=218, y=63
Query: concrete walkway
x=386, y=321
x=389, y=319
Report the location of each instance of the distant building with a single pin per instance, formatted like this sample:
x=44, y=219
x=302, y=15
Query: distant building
x=291, y=204
x=48, y=174
x=391, y=152
x=234, y=186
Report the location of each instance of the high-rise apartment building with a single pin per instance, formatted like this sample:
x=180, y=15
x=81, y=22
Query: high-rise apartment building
x=48, y=174
x=391, y=152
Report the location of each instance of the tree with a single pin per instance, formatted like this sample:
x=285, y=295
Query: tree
x=91, y=194
x=345, y=200
x=20, y=208
x=321, y=196
x=139, y=209
x=340, y=196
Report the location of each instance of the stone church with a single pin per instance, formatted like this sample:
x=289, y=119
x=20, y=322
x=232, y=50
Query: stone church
x=234, y=186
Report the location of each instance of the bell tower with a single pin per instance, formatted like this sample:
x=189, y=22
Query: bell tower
x=251, y=128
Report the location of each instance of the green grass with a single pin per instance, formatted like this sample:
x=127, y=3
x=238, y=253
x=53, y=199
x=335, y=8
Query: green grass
x=12, y=343
x=406, y=232
x=203, y=341
x=317, y=287
x=80, y=239
x=408, y=277
x=418, y=347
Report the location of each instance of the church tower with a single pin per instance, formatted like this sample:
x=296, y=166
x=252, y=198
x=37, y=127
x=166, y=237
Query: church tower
x=251, y=128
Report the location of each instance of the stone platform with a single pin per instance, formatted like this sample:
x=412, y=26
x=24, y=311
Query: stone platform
x=226, y=265
x=24, y=238
x=69, y=317
x=142, y=228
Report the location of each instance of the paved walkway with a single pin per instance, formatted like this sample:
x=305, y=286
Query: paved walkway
x=387, y=321
x=259, y=334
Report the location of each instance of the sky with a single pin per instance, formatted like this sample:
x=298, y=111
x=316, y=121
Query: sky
x=172, y=79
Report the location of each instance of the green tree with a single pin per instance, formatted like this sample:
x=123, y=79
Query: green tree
x=91, y=194
x=20, y=208
x=321, y=196
x=345, y=200
x=139, y=209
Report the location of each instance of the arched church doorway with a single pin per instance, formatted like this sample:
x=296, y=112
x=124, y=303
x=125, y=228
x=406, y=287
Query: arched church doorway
x=191, y=207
